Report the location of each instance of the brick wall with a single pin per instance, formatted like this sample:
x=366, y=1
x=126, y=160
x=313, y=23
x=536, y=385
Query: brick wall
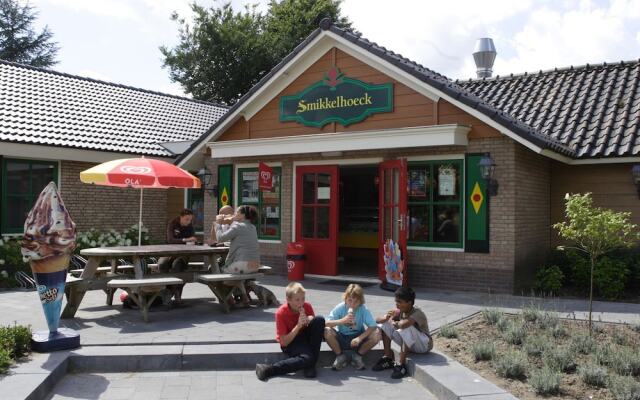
x=610, y=184
x=102, y=207
x=532, y=214
x=491, y=272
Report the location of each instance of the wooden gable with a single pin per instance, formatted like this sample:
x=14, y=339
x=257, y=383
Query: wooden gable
x=411, y=109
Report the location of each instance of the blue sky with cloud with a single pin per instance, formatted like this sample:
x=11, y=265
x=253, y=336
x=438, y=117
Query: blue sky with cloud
x=118, y=40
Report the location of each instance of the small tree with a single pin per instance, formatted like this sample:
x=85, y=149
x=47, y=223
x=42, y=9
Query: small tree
x=18, y=40
x=595, y=231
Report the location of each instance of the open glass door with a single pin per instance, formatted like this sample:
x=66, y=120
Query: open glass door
x=317, y=217
x=393, y=222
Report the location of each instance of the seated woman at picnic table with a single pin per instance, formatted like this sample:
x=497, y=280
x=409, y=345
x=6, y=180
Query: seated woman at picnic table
x=179, y=231
x=240, y=231
x=227, y=219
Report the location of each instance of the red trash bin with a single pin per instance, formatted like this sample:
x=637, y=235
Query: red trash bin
x=295, y=261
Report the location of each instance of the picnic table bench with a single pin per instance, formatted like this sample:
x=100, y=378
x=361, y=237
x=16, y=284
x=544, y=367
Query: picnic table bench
x=223, y=286
x=144, y=291
x=93, y=279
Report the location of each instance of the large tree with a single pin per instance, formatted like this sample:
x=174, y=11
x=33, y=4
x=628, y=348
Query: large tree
x=19, y=42
x=223, y=53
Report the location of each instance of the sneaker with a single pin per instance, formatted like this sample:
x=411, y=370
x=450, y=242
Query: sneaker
x=262, y=371
x=399, y=371
x=383, y=363
x=340, y=362
x=310, y=372
x=356, y=361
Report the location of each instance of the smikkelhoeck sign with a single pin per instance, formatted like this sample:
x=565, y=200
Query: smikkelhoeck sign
x=336, y=98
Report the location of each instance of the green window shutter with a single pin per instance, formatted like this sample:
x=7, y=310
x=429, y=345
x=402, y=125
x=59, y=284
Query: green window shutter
x=477, y=207
x=225, y=185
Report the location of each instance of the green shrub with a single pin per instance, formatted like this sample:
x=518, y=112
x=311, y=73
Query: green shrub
x=15, y=340
x=624, y=388
x=610, y=277
x=548, y=280
x=5, y=361
x=580, y=269
x=560, y=359
x=604, y=354
x=11, y=261
x=503, y=324
x=583, y=343
x=484, y=351
x=593, y=375
x=512, y=364
x=559, y=331
x=636, y=327
x=560, y=258
x=448, y=331
x=545, y=381
x=7, y=340
x=536, y=345
x=625, y=362
x=492, y=315
x=531, y=313
x=597, y=328
x=96, y=238
x=548, y=320
x=515, y=334
x=619, y=337
x=22, y=340
x=610, y=274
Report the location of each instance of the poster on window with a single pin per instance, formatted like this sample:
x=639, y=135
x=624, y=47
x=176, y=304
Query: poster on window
x=418, y=183
x=446, y=181
x=250, y=190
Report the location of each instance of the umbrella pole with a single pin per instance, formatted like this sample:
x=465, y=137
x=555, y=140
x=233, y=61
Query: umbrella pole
x=140, y=219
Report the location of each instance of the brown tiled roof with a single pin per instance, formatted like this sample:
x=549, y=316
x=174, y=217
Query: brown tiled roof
x=43, y=107
x=593, y=109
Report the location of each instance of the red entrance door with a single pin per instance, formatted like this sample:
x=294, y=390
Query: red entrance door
x=393, y=222
x=317, y=216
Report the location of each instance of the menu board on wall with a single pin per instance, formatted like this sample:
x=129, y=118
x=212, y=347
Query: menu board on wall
x=446, y=181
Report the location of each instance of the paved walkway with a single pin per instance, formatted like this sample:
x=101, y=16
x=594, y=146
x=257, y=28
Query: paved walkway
x=235, y=385
x=201, y=320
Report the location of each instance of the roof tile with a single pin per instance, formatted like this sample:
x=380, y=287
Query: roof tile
x=45, y=107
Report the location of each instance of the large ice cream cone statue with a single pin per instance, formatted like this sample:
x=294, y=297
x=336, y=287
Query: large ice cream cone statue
x=48, y=242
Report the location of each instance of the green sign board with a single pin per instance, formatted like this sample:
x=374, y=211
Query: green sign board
x=336, y=98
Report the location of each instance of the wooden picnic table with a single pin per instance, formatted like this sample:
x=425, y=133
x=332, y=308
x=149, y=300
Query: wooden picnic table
x=88, y=280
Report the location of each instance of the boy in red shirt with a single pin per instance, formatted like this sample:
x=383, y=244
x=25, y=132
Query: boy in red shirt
x=299, y=333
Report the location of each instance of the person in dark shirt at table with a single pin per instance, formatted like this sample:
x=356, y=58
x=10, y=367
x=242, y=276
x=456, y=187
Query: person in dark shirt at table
x=179, y=231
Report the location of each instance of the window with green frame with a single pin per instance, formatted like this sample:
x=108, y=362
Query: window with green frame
x=435, y=203
x=22, y=182
x=267, y=203
x=195, y=202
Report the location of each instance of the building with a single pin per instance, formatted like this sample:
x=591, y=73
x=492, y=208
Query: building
x=54, y=125
x=364, y=146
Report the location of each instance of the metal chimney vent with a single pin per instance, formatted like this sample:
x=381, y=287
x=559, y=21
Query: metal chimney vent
x=484, y=55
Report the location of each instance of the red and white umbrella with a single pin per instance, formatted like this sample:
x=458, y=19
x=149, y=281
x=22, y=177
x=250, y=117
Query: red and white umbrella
x=140, y=173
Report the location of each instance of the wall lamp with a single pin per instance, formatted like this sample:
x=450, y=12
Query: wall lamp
x=487, y=168
x=635, y=174
x=207, y=182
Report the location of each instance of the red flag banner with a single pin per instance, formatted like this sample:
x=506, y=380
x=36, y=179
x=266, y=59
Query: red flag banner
x=265, y=179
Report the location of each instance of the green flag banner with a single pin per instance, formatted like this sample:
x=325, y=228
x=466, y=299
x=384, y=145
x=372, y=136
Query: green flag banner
x=476, y=207
x=225, y=185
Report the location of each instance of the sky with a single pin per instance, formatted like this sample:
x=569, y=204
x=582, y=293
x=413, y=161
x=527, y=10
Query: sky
x=118, y=40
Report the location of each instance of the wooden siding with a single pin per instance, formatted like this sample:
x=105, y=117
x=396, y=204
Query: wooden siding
x=610, y=184
x=410, y=107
